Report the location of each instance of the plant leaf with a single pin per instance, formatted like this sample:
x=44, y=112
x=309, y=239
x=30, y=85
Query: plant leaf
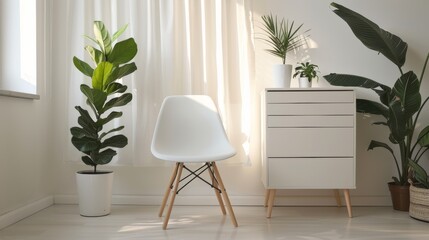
x=123, y=52
x=348, y=80
x=420, y=174
x=119, y=72
x=96, y=55
x=112, y=130
x=101, y=75
x=85, y=120
x=118, y=141
x=83, y=67
x=371, y=107
x=397, y=122
x=81, y=132
x=96, y=97
x=119, y=32
x=103, y=38
x=407, y=89
x=84, y=144
x=88, y=161
x=372, y=36
x=104, y=157
x=115, y=88
x=117, y=102
x=109, y=118
x=424, y=137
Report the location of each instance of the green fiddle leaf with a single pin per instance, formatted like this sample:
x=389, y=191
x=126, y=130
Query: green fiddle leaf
x=117, y=102
x=101, y=75
x=104, y=157
x=118, y=141
x=81, y=132
x=96, y=97
x=123, y=52
x=111, y=131
x=84, y=144
x=83, y=67
x=96, y=55
x=102, y=37
x=88, y=161
x=109, y=118
x=115, y=88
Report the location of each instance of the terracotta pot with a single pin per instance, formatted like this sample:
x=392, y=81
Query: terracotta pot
x=400, y=196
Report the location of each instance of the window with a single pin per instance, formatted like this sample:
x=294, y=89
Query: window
x=18, y=63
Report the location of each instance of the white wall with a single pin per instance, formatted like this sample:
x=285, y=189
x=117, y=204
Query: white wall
x=25, y=140
x=335, y=50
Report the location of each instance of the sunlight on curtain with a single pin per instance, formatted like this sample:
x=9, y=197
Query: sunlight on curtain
x=185, y=47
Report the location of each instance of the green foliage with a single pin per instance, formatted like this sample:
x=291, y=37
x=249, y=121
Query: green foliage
x=111, y=64
x=400, y=105
x=307, y=70
x=282, y=36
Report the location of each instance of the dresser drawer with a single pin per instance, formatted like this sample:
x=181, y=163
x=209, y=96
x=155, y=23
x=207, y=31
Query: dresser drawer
x=310, y=142
x=310, y=121
x=311, y=109
x=310, y=96
x=311, y=173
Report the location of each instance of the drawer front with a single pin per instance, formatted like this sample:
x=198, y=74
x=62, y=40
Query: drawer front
x=311, y=109
x=310, y=121
x=310, y=142
x=307, y=96
x=311, y=173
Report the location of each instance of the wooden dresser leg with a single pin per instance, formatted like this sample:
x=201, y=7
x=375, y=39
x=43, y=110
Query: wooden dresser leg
x=272, y=195
x=348, y=202
x=267, y=196
x=337, y=197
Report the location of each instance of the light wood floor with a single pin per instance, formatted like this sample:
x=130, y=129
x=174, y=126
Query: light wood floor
x=62, y=222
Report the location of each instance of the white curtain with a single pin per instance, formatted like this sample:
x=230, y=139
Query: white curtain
x=185, y=47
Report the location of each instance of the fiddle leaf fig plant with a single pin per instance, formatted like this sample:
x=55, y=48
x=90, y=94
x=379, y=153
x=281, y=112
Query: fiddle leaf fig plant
x=110, y=62
x=400, y=105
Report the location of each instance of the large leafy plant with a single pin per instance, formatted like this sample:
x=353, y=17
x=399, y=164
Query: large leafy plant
x=111, y=63
x=282, y=36
x=400, y=105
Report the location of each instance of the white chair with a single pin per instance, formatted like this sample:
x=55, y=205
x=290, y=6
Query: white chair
x=189, y=130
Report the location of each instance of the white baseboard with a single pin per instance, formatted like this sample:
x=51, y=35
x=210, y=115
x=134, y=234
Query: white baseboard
x=16, y=215
x=236, y=200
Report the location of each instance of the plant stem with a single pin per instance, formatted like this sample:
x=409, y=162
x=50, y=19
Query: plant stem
x=417, y=160
x=404, y=163
x=424, y=68
x=415, y=120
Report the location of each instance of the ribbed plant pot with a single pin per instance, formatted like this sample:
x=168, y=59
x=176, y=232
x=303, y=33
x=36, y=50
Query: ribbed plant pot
x=419, y=203
x=95, y=192
x=400, y=196
x=304, y=83
x=282, y=74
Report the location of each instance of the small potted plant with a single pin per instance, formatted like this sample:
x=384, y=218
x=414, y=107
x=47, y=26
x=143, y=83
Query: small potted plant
x=91, y=137
x=306, y=72
x=283, y=37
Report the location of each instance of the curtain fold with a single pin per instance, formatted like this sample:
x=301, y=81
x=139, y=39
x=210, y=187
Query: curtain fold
x=185, y=47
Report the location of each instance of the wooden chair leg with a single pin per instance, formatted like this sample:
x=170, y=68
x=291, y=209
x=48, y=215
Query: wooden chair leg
x=167, y=192
x=225, y=196
x=272, y=195
x=176, y=186
x=337, y=197
x=267, y=195
x=348, y=202
x=218, y=196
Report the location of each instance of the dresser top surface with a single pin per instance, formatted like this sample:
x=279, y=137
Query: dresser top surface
x=308, y=89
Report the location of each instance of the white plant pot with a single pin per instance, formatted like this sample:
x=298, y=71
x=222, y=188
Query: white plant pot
x=282, y=75
x=304, y=83
x=95, y=193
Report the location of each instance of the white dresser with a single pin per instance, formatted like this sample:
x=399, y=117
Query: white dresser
x=308, y=141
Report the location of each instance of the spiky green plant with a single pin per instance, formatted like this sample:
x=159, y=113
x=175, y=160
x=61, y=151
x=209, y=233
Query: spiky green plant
x=282, y=36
